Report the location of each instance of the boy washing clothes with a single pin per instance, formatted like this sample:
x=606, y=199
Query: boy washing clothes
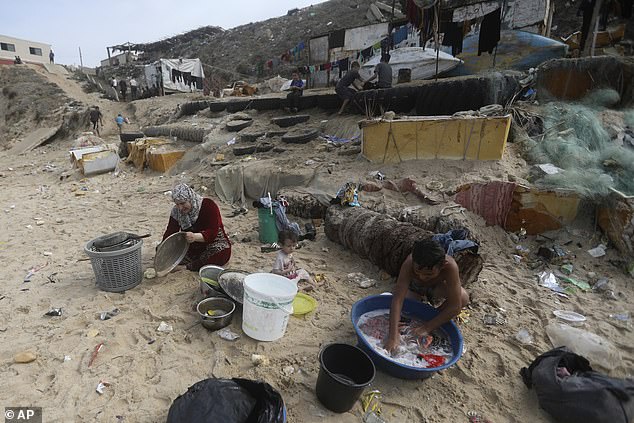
x=426, y=273
x=285, y=263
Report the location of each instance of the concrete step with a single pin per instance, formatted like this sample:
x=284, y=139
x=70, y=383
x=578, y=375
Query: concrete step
x=53, y=68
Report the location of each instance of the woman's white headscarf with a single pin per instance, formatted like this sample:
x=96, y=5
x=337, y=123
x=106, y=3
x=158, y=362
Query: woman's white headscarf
x=181, y=193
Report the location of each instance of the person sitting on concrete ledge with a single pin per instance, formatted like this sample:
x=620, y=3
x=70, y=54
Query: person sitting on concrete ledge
x=296, y=90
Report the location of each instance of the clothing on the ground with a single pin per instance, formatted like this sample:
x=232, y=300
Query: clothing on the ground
x=489, y=32
x=281, y=220
x=384, y=73
x=216, y=249
x=455, y=241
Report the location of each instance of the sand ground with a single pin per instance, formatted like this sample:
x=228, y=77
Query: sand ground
x=148, y=369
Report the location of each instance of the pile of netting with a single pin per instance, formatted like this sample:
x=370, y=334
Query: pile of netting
x=593, y=158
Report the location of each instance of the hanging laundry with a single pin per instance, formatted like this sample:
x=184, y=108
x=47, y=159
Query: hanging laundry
x=453, y=36
x=328, y=66
x=413, y=13
x=427, y=27
x=343, y=65
x=400, y=35
x=367, y=53
x=489, y=32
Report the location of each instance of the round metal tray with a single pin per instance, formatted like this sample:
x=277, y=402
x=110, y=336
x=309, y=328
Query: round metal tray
x=170, y=252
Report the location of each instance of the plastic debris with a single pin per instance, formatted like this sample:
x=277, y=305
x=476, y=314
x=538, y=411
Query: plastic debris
x=522, y=251
x=150, y=273
x=101, y=386
x=492, y=319
x=231, y=141
x=566, y=269
x=164, y=327
x=598, y=350
x=228, y=335
x=585, y=286
x=598, y=251
x=54, y=312
x=624, y=317
x=67, y=358
x=524, y=336
x=361, y=280
x=463, y=317
x=517, y=259
x=259, y=360
x=47, y=253
x=98, y=348
x=107, y=315
x=24, y=357
x=92, y=333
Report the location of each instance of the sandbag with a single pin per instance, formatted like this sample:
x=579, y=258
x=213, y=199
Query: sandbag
x=228, y=401
x=583, y=396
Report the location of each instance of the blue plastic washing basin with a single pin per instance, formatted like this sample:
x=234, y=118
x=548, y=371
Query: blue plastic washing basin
x=411, y=308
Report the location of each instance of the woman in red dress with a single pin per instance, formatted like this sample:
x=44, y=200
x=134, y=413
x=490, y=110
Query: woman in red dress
x=200, y=218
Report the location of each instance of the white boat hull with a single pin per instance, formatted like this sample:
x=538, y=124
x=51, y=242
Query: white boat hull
x=421, y=62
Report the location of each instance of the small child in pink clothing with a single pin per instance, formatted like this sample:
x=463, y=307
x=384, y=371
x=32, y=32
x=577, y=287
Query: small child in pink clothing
x=285, y=263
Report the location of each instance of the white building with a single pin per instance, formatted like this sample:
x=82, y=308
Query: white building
x=29, y=51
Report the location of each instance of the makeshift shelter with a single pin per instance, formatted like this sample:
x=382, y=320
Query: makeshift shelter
x=175, y=75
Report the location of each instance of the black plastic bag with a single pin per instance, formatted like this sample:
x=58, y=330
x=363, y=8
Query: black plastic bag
x=228, y=401
x=582, y=396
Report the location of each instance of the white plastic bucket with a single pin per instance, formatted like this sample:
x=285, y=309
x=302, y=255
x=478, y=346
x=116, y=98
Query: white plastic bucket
x=268, y=301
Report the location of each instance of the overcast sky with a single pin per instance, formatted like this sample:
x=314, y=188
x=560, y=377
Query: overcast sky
x=93, y=25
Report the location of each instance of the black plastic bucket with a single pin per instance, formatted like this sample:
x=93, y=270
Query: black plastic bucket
x=344, y=372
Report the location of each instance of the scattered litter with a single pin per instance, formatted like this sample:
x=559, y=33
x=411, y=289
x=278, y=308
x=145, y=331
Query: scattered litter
x=106, y=315
x=258, y=360
x=29, y=226
x=492, y=319
x=361, y=280
x=164, y=327
x=371, y=402
x=602, y=285
x=585, y=286
x=52, y=278
x=150, y=273
x=549, y=168
x=373, y=417
x=47, y=253
x=24, y=357
x=522, y=251
x=624, y=317
x=524, y=336
x=566, y=269
x=593, y=347
x=517, y=259
x=54, y=312
x=548, y=280
x=151, y=341
x=598, y=251
x=92, y=333
x=288, y=370
x=434, y=185
x=569, y=316
x=377, y=175
x=553, y=254
x=98, y=348
x=67, y=358
x=39, y=222
x=309, y=162
x=228, y=335
x=463, y=316
x=101, y=385
x=231, y=141
x=325, y=249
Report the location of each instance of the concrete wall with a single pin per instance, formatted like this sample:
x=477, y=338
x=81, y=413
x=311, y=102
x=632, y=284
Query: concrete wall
x=23, y=49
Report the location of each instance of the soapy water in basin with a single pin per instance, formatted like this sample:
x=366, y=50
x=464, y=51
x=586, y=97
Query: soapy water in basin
x=422, y=353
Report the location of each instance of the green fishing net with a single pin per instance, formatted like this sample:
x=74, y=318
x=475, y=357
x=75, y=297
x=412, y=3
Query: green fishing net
x=576, y=141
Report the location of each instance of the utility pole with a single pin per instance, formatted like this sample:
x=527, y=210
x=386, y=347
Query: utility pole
x=81, y=61
x=588, y=48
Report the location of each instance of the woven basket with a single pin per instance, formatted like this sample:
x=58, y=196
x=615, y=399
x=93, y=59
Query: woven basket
x=116, y=271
